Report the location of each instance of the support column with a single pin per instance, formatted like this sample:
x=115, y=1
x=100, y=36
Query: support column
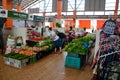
x=7, y=4
x=59, y=9
x=19, y=8
x=116, y=9
x=44, y=14
x=43, y=24
x=74, y=18
x=74, y=15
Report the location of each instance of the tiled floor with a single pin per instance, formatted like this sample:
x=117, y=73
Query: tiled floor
x=50, y=67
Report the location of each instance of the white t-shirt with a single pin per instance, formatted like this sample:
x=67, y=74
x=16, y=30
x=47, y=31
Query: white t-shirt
x=40, y=29
x=52, y=33
x=46, y=33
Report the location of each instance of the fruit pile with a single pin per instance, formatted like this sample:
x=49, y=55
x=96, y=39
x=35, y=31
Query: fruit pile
x=36, y=48
x=24, y=52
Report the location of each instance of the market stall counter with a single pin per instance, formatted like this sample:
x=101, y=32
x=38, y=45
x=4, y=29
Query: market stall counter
x=77, y=52
x=28, y=54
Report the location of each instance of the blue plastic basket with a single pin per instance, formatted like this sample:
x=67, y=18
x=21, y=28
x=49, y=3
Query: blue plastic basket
x=86, y=44
x=32, y=59
x=73, y=62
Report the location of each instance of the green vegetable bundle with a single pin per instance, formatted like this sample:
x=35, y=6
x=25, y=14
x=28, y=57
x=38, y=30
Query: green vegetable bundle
x=16, y=56
x=43, y=43
x=77, y=45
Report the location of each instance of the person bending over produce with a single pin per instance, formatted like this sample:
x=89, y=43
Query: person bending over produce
x=62, y=37
x=55, y=38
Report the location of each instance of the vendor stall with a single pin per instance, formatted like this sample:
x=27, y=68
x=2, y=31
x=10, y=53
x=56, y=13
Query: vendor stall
x=20, y=52
x=77, y=52
x=20, y=55
x=106, y=61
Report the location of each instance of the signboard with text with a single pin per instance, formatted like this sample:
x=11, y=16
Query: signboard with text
x=109, y=27
x=17, y=15
x=3, y=13
x=39, y=18
x=51, y=20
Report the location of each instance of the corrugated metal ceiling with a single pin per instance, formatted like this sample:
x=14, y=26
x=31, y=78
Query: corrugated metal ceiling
x=23, y=3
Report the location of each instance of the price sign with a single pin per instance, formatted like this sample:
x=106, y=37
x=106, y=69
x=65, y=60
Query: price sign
x=3, y=13
x=109, y=27
x=30, y=17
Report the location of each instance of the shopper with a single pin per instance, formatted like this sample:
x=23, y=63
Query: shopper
x=55, y=38
x=40, y=30
x=62, y=37
x=46, y=31
x=71, y=34
x=84, y=33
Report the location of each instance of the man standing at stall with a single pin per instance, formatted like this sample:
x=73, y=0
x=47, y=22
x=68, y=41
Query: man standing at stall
x=55, y=38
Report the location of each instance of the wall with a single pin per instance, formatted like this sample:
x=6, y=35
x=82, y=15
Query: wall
x=15, y=31
x=19, y=23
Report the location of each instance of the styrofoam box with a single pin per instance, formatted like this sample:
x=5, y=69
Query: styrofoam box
x=11, y=60
x=6, y=61
x=16, y=63
x=25, y=60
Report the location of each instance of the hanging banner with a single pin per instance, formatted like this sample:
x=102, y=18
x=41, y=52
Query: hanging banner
x=109, y=27
x=39, y=18
x=51, y=20
x=30, y=17
x=3, y=13
x=59, y=21
x=17, y=15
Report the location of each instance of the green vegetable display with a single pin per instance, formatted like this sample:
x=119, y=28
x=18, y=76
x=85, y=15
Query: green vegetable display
x=16, y=56
x=46, y=43
x=43, y=43
x=77, y=45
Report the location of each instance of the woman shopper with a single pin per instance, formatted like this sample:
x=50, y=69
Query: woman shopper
x=55, y=38
x=62, y=37
x=71, y=34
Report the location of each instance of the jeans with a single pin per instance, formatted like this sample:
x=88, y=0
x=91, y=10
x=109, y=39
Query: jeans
x=57, y=43
x=63, y=40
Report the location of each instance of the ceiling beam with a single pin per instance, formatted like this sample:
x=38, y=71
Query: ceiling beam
x=30, y=4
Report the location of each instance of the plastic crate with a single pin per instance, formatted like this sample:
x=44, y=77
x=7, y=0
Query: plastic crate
x=39, y=55
x=73, y=55
x=32, y=59
x=73, y=62
x=30, y=43
x=19, y=65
